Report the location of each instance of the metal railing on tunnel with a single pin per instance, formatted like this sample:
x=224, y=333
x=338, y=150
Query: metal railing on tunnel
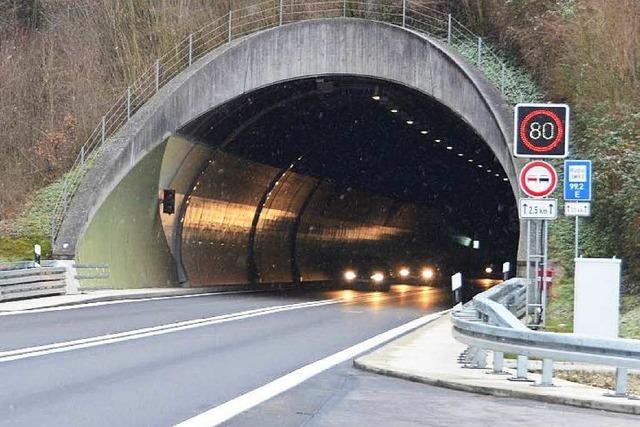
x=409, y=14
x=490, y=322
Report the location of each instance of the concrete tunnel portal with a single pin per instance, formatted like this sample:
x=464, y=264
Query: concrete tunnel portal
x=293, y=180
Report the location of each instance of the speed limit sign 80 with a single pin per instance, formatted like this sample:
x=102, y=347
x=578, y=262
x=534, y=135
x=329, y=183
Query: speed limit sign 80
x=541, y=130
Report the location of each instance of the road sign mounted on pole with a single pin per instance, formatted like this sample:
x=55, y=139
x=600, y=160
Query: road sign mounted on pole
x=538, y=208
x=577, y=180
x=577, y=209
x=541, y=130
x=538, y=179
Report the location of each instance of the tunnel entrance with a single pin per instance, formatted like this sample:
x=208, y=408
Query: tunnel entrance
x=298, y=180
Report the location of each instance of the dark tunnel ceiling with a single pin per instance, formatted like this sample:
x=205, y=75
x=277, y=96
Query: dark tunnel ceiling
x=332, y=128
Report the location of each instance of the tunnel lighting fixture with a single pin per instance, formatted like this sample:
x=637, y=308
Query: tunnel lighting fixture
x=480, y=166
x=424, y=132
x=449, y=147
x=377, y=277
x=427, y=273
x=437, y=140
x=470, y=160
x=409, y=122
x=488, y=170
x=376, y=97
x=394, y=110
x=488, y=270
x=349, y=275
x=497, y=174
x=505, y=179
x=476, y=244
x=460, y=155
x=404, y=272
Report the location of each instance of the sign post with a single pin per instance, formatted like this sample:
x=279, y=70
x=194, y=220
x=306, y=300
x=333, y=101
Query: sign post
x=577, y=188
x=540, y=131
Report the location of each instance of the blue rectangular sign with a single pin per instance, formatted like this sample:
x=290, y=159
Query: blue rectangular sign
x=577, y=180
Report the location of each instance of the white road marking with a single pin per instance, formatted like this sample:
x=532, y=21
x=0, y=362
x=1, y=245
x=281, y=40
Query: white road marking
x=28, y=352
x=122, y=301
x=42, y=350
x=230, y=409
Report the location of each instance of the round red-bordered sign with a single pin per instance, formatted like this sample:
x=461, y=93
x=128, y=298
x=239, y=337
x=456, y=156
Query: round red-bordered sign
x=554, y=142
x=538, y=179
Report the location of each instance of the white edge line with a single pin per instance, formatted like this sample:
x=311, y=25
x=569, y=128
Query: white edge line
x=230, y=409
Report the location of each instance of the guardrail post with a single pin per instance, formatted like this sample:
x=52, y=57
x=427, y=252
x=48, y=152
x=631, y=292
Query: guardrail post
x=498, y=362
x=128, y=102
x=82, y=155
x=479, y=49
x=404, y=13
x=230, y=22
x=547, y=373
x=103, y=128
x=190, y=49
x=157, y=75
x=521, y=367
x=621, y=383
x=449, y=29
x=281, y=10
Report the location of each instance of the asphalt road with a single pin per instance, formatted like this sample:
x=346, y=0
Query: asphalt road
x=143, y=379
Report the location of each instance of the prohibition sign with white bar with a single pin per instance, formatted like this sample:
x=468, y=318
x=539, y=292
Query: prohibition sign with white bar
x=538, y=179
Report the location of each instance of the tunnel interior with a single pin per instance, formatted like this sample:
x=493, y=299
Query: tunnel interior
x=307, y=177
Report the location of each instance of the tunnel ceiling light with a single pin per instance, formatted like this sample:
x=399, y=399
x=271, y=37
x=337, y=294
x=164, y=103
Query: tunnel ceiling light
x=409, y=122
x=480, y=166
x=498, y=175
x=424, y=132
x=460, y=155
x=449, y=147
x=437, y=140
x=376, y=97
x=394, y=110
x=489, y=171
x=470, y=160
x=505, y=179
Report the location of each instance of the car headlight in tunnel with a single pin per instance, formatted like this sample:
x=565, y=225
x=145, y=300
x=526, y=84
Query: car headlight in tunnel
x=350, y=275
x=377, y=277
x=427, y=273
x=488, y=270
x=404, y=272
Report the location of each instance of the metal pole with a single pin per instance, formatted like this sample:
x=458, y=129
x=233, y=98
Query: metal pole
x=528, y=293
x=479, y=49
x=281, y=10
x=545, y=262
x=503, y=74
x=128, y=102
x=230, y=19
x=102, y=130
x=157, y=75
x=82, y=155
x=190, y=49
x=547, y=373
x=449, y=30
x=621, y=382
x=404, y=13
x=577, y=238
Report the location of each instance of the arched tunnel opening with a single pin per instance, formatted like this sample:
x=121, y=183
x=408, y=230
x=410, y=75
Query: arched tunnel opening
x=295, y=182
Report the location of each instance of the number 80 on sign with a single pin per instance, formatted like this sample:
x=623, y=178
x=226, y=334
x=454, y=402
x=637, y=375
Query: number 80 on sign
x=541, y=130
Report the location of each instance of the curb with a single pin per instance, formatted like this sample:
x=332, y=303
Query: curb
x=498, y=392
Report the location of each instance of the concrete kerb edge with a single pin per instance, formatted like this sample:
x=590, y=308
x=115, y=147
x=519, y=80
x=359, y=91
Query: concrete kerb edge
x=612, y=406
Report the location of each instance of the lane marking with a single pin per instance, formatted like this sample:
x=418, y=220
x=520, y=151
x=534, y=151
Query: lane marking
x=42, y=350
x=28, y=352
x=123, y=301
x=231, y=408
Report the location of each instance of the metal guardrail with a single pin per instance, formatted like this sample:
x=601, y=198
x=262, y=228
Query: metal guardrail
x=489, y=322
x=32, y=282
x=409, y=14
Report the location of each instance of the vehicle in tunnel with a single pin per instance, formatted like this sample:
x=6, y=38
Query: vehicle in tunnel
x=420, y=274
x=366, y=274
